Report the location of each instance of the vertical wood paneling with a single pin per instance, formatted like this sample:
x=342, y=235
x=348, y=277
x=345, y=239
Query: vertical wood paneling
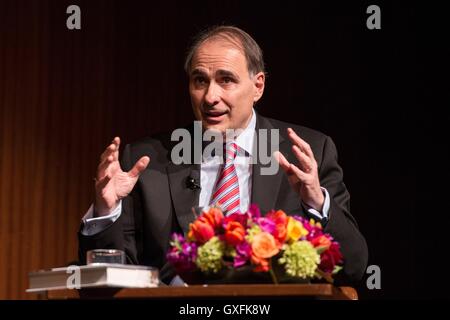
x=63, y=96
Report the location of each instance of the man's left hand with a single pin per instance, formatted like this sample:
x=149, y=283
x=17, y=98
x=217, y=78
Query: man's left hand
x=303, y=177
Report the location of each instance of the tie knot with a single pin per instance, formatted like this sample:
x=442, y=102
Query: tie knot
x=230, y=151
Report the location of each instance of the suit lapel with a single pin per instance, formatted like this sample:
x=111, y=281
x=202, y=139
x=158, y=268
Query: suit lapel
x=265, y=188
x=183, y=197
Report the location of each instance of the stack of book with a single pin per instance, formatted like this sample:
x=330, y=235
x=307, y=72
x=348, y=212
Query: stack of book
x=93, y=276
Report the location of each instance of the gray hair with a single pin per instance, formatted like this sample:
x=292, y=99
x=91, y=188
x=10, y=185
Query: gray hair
x=241, y=39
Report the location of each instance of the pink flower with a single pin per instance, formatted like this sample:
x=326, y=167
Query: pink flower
x=312, y=228
x=266, y=225
x=243, y=254
x=253, y=211
x=182, y=255
x=237, y=217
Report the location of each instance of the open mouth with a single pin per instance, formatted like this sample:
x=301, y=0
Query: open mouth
x=214, y=116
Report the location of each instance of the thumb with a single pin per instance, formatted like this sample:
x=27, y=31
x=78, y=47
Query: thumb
x=140, y=166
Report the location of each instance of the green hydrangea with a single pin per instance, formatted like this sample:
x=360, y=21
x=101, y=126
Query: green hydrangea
x=251, y=232
x=209, y=255
x=300, y=259
x=230, y=252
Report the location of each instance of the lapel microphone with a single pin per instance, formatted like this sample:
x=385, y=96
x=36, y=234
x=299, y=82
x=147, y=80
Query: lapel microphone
x=193, y=181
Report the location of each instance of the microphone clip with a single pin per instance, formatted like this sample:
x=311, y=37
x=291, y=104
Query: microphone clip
x=192, y=183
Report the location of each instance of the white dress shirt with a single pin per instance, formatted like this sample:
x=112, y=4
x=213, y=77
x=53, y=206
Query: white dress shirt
x=209, y=173
x=211, y=166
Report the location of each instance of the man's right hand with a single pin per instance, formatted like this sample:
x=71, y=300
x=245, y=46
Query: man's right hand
x=112, y=184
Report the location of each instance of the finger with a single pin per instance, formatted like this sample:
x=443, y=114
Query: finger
x=302, y=144
x=285, y=165
x=139, y=167
x=116, y=141
x=108, y=151
x=302, y=176
x=305, y=161
x=113, y=147
x=103, y=167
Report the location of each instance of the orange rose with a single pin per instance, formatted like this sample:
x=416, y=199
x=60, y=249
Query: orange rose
x=234, y=233
x=264, y=245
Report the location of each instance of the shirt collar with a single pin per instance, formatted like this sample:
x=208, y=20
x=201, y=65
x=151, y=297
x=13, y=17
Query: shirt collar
x=245, y=139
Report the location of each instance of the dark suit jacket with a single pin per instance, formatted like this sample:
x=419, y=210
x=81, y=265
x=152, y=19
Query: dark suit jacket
x=161, y=203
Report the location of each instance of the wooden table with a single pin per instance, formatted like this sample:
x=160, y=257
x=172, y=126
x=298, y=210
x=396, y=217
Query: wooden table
x=317, y=291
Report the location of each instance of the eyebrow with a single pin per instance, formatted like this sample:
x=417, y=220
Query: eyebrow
x=226, y=73
x=197, y=72
x=220, y=72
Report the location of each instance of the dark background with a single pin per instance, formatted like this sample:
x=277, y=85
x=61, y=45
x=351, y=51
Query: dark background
x=65, y=94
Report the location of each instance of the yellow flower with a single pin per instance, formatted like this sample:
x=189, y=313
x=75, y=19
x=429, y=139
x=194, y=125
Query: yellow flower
x=295, y=230
x=315, y=224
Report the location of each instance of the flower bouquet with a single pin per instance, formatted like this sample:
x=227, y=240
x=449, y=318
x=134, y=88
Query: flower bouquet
x=249, y=247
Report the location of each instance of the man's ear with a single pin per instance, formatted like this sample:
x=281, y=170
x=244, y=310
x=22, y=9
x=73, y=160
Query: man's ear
x=259, y=82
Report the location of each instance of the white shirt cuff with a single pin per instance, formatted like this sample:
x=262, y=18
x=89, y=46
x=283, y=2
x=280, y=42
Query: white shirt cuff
x=325, y=209
x=95, y=225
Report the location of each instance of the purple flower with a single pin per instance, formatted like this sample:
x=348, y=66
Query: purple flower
x=182, y=254
x=266, y=224
x=178, y=237
x=243, y=254
x=313, y=231
x=253, y=212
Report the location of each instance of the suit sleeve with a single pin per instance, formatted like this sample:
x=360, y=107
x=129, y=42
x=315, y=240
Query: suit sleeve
x=122, y=234
x=341, y=224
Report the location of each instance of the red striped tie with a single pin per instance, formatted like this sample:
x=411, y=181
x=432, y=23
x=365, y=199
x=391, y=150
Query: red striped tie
x=226, y=191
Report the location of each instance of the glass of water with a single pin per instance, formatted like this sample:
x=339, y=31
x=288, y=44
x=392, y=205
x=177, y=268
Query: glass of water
x=105, y=256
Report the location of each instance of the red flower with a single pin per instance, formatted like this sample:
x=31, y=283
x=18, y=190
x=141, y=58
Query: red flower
x=201, y=230
x=214, y=217
x=237, y=217
x=330, y=258
x=321, y=241
x=281, y=219
x=234, y=233
x=262, y=265
x=204, y=227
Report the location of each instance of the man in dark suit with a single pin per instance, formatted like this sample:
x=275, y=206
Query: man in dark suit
x=139, y=203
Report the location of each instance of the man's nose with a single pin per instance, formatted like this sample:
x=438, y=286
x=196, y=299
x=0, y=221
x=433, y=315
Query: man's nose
x=212, y=96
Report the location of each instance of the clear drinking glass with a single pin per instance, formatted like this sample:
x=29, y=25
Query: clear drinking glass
x=105, y=256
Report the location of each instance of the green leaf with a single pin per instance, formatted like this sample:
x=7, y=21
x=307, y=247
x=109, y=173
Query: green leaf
x=336, y=269
x=321, y=249
x=176, y=244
